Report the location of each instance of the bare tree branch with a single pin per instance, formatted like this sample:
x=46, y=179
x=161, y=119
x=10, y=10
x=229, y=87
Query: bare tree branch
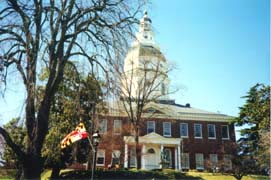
x=38, y=33
x=11, y=144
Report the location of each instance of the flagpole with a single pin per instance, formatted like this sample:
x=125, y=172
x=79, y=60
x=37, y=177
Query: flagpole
x=93, y=159
x=92, y=103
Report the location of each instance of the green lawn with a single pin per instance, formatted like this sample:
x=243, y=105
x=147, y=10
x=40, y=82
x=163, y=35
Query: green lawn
x=46, y=174
x=165, y=174
x=8, y=174
x=219, y=176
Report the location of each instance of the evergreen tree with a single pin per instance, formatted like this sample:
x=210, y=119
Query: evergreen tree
x=255, y=113
x=73, y=103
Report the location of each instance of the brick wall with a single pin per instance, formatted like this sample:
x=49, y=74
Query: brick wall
x=191, y=145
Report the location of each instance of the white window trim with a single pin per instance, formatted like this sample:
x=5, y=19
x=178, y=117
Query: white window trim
x=181, y=130
x=200, y=137
x=229, y=159
x=115, y=127
x=214, y=130
x=201, y=167
x=186, y=167
x=153, y=125
x=116, y=152
x=164, y=129
x=215, y=155
x=103, y=151
x=228, y=138
x=105, y=126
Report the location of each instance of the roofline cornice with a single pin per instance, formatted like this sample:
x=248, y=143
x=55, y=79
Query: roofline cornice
x=183, y=117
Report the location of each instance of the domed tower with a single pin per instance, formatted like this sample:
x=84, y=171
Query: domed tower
x=145, y=55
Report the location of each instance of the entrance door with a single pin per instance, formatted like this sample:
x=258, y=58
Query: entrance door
x=151, y=159
x=167, y=158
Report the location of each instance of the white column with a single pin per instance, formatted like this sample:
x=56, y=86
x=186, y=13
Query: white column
x=176, y=158
x=143, y=160
x=161, y=150
x=126, y=156
x=179, y=157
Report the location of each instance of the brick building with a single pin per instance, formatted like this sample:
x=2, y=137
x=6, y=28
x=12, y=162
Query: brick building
x=171, y=135
x=190, y=138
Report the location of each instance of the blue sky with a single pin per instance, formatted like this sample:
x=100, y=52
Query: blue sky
x=220, y=48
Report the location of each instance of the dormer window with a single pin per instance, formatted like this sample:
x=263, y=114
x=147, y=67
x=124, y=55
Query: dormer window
x=151, y=110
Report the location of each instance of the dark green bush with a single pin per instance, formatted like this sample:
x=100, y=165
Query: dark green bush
x=125, y=174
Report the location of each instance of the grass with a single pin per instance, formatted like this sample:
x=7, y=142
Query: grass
x=220, y=176
x=125, y=174
x=165, y=174
x=8, y=174
x=46, y=174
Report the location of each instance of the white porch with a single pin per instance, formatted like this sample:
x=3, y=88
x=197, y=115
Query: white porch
x=154, y=146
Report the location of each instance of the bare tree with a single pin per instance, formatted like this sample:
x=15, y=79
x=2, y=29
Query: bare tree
x=34, y=34
x=137, y=86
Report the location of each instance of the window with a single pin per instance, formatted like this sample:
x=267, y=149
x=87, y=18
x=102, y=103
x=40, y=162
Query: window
x=211, y=131
x=199, y=161
x=132, y=157
x=227, y=162
x=225, y=132
x=100, y=157
x=150, y=126
x=184, y=130
x=197, y=131
x=151, y=110
x=185, y=161
x=213, y=160
x=151, y=151
x=115, y=157
x=102, y=126
x=166, y=128
x=117, y=126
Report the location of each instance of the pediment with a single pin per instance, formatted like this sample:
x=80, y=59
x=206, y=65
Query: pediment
x=153, y=138
x=153, y=135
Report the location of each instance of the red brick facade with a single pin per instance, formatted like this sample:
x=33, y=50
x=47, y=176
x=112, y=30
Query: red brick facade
x=191, y=145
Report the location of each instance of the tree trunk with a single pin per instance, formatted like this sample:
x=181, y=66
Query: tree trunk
x=138, y=150
x=19, y=173
x=55, y=173
x=238, y=176
x=31, y=161
x=32, y=166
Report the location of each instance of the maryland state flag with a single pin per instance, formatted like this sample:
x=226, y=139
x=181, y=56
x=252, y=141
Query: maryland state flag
x=79, y=133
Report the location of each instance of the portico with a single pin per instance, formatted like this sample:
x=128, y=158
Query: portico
x=157, y=152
